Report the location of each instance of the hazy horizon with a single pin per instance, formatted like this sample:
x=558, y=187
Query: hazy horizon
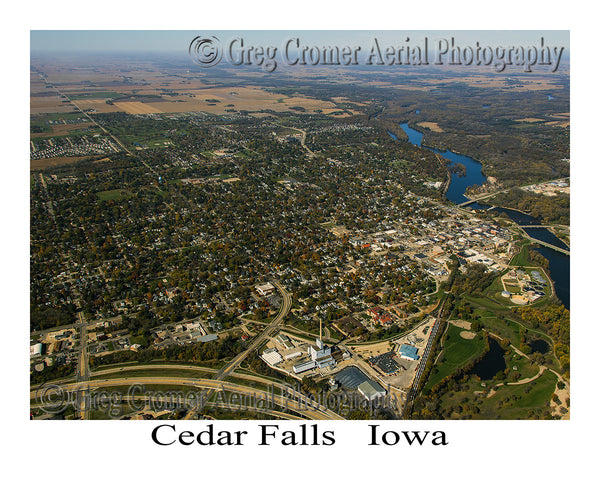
x=166, y=41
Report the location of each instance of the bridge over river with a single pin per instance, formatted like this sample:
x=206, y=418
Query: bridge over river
x=545, y=244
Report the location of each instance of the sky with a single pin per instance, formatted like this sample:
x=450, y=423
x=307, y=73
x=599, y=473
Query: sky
x=84, y=41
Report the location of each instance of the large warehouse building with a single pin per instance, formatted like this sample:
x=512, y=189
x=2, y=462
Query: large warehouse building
x=371, y=390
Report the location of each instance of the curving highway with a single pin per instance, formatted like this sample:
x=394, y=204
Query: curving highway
x=298, y=403
x=284, y=309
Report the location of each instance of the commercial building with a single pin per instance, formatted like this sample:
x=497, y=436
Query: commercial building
x=292, y=355
x=321, y=354
x=409, y=352
x=304, y=366
x=265, y=289
x=319, y=350
x=272, y=357
x=285, y=341
x=371, y=390
x=385, y=362
x=208, y=338
x=351, y=377
x=35, y=350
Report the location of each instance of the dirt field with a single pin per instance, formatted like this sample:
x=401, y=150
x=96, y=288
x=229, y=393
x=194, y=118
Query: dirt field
x=529, y=120
x=559, y=124
x=433, y=126
x=49, y=105
x=346, y=100
x=461, y=324
x=468, y=335
x=194, y=94
x=137, y=107
x=535, y=82
x=54, y=161
x=63, y=129
x=563, y=122
x=97, y=104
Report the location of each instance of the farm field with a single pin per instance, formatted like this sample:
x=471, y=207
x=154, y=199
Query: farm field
x=433, y=126
x=219, y=100
x=44, y=163
x=64, y=129
x=52, y=104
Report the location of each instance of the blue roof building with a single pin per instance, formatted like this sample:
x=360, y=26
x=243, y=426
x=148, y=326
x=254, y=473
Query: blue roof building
x=409, y=352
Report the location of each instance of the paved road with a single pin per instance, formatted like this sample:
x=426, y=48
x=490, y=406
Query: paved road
x=191, y=368
x=83, y=367
x=284, y=309
x=298, y=403
x=302, y=140
x=274, y=413
x=286, y=305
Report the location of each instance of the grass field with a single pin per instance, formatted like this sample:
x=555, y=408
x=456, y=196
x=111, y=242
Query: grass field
x=139, y=340
x=117, y=194
x=457, y=352
x=509, y=329
x=524, y=366
x=509, y=402
x=521, y=257
x=515, y=401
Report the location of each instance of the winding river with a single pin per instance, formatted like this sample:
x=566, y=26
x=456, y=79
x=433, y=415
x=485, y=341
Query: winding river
x=559, y=264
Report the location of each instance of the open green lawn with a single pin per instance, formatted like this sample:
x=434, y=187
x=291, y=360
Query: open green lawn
x=502, y=327
x=457, y=352
x=521, y=257
x=510, y=402
x=515, y=401
x=512, y=288
x=117, y=194
x=162, y=142
x=139, y=340
x=524, y=366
